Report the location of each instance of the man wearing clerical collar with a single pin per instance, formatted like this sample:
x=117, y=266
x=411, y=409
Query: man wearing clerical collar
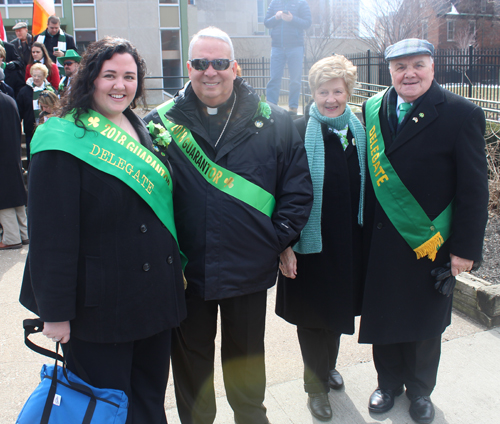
x=242, y=195
x=427, y=146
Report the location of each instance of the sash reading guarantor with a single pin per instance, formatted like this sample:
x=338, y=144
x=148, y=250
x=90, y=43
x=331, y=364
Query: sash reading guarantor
x=109, y=149
x=219, y=177
x=424, y=236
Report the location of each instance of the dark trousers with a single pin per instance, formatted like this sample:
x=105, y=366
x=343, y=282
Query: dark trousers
x=139, y=368
x=242, y=324
x=320, y=349
x=413, y=364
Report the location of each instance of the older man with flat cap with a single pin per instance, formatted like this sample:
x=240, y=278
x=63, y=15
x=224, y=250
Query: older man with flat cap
x=428, y=210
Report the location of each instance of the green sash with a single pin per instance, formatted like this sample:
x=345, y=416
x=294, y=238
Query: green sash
x=109, y=149
x=219, y=177
x=424, y=236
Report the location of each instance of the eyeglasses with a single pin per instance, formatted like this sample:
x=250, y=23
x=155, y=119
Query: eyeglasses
x=217, y=64
x=44, y=94
x=69, y=63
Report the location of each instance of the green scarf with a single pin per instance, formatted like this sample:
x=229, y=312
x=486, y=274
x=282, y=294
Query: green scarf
x=424, y=236
x=36, y=94
x=310, y=237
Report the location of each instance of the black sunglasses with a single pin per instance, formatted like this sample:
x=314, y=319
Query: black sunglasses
x=217, y=64
x=69, y=63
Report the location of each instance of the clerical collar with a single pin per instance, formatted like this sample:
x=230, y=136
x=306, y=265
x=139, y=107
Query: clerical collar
x=222, y=108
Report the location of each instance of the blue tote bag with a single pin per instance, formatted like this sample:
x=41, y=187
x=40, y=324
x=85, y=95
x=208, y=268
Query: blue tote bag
x=64, y=398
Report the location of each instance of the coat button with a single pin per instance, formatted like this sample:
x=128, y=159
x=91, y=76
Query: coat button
x=170, y=260
x=380, y=225
x=146, y=267
x=144, y=228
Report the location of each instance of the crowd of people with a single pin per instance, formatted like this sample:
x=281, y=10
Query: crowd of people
x=30, y=73
x=143, y=231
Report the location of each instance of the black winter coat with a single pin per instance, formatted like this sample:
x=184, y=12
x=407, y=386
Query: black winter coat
x=99, y=256
x=328, y=289
x=12, y=192
x=25, y=104
x=439, y=156
x=14, y=77
x=51, y=42
x=233, y=248
x=288, y=34
x=24, y=54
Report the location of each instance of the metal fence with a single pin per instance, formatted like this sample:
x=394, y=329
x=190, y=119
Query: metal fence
x=472, y=73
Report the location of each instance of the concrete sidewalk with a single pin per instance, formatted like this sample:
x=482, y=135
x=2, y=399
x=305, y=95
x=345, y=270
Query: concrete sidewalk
x=468, y=389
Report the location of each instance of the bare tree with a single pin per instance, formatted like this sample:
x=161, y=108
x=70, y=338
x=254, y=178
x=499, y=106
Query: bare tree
x=385, y=22
x=465, y=37
x=321, y=33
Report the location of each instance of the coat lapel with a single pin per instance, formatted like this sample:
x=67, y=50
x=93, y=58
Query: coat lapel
x=421, y=117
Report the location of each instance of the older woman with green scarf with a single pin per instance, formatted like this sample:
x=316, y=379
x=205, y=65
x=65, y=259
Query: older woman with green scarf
x=321, y=284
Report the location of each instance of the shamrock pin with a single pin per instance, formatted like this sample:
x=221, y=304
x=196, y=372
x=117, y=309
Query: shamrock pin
x=421, y=114
x=94, y=121
x=229, y=182
x=161, y=137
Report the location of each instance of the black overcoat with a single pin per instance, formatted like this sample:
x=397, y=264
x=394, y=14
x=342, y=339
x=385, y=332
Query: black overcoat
x=439, y=155
x=14, y=77
x=327, y=291
x=25, y=104
x=99, y=256
x=12, y=193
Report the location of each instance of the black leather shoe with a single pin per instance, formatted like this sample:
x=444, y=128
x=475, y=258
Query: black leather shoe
x=422, y=410
x=382, y=400
x=319, y=405
x=335, y=380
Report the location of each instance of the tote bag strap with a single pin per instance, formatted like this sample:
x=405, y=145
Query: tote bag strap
x=32, y=326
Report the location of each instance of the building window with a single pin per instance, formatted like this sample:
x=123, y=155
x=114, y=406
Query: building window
x=450, y=30
x=169, y=1
x=425, y=30
x=483, y=6
x=83, y=1
x=84, y=38
x=472, y=27
x=171, y=60
x=261, y=10
x=24, y=2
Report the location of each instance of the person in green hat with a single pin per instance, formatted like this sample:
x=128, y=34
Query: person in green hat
x=70, y=61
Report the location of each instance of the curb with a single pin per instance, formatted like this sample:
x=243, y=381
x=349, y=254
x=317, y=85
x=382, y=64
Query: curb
x=478, y=299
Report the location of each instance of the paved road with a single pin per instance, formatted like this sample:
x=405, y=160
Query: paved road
x=467, y=392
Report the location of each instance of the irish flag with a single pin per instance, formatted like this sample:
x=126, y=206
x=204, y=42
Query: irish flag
x=42, y=9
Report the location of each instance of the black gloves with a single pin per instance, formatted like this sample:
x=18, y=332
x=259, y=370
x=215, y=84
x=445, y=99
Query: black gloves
x=445, y=282
x=10, y=66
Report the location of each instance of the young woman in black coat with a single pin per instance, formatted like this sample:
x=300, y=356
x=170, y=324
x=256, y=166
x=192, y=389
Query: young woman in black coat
x=320, y=287
x=104, y=270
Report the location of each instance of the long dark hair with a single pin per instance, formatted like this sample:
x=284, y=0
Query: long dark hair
x=81, y=95
x=47, y=61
